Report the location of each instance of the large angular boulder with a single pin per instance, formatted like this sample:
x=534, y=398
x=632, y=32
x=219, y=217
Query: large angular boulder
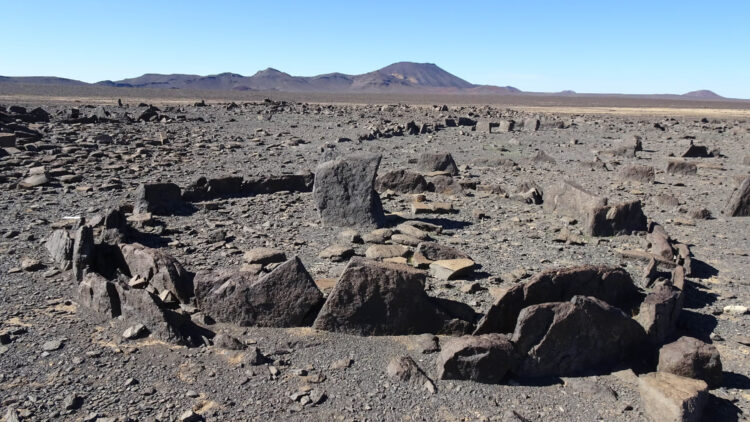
x=159, y=269
x=671, y=398
x=138, y=306
x=638, y=173
x=429, y=162
x=285, y=297
x=402, y=181
x=739, y=202
x=623, y=218
x=566, y=338
x=611, y=284
x=158, y=199
x=681, y=168
x=659, y=311
x=692, y=358
x=570, y=199
x=485, y=358
x=344, y=194
x=374, y=298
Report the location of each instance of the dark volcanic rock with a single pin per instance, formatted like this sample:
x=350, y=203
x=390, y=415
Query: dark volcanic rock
x=344, y=193
x=566, y=338
x=638, y=173
x=485, y=358
x=402, y=181
x=60, y=247
x=697, y=151
x=612, y=285
x=374, y=298
x=623, y=218
x=159, y=269
x=659, y=312
x=570, y=199
x=739, y=202
x=99, y=296
x=429, y=162
x=158, y=199
x=681, y=167
x=285, y=297
x=692, y=358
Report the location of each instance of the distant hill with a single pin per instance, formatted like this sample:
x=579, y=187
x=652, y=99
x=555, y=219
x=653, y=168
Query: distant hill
x=703, y=94
x=397, y=78
x=40, y=80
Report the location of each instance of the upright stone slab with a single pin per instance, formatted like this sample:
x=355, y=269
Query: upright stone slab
x=344, y=192
x=739, y=202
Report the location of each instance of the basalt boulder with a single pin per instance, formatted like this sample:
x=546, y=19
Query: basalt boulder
x=344, y=192
x=285, y=297
x=567, y=338
x=610, y=284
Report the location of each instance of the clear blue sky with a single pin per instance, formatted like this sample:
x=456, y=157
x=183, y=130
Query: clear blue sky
x=587, y=46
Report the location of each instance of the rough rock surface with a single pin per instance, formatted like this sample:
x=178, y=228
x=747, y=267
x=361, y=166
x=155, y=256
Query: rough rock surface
x=344, y=191
x=566, y=338
x=692, y=358
x=612, y=285
x=285, y=297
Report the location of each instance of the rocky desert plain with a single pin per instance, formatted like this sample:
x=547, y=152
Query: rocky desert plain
x=270, y=258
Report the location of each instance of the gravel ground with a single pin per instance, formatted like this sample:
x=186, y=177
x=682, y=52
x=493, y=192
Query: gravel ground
x=103, y=375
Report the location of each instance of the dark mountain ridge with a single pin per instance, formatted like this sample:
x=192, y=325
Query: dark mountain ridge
x=397, y=78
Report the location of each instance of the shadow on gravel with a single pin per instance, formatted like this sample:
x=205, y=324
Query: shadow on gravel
x=703, y=270
x=696, y=296
x=720, y=409
x=538, y=382
x=735, y=380
x=697, y=325
x=150, y=240
x=445, y=223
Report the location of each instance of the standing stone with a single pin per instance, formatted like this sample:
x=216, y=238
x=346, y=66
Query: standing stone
x=739, y=202
x=83, y=251
x=658, y=313
x=60, y=247
x=344, y=191
x=158, y=199
x=692, y=358
x=671, y=398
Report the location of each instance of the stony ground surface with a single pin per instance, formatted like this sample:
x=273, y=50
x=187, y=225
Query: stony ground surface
x=150, y=380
